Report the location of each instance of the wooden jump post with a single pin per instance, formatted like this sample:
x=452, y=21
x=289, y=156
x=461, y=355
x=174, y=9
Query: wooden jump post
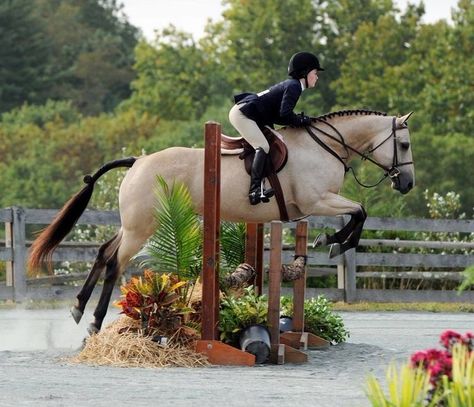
x=216, y=351
x=285, y=346
x=254, y=252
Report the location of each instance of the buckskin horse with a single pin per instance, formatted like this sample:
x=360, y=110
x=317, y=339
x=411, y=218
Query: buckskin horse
x=318, y=158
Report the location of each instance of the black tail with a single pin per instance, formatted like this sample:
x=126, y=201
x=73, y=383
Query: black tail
x=44, y=245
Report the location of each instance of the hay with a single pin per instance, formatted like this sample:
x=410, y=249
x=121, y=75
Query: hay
x=121, y=344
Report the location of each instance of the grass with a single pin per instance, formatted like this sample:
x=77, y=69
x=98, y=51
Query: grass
x=415, y=306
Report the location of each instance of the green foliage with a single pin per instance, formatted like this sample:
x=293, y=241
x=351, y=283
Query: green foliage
x=468, y=280
x=238, y=313
x=43, y=162
x=80, y=51
x=407, y=388
x=175, y=78
x=232, y=240
x=175, y=246
x=319, y=317
x=378, y=201
x=39, y=115
x=24, y=56
x=441, y=164
x=262, y=35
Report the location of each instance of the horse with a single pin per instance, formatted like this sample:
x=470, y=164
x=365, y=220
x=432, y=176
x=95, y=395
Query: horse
x=318, y=158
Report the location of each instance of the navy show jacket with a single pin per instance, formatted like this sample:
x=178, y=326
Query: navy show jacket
x=274, y=105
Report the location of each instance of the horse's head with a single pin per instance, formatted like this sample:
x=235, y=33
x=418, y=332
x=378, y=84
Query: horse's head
x=394, y=152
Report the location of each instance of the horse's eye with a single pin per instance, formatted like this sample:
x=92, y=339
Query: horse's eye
x=405, y=145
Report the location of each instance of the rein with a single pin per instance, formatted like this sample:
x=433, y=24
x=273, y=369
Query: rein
x=393, y=172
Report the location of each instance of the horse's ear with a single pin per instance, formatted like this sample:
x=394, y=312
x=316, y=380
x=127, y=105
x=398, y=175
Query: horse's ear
x=402, y=120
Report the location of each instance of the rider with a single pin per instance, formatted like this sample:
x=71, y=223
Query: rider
x=272, y=106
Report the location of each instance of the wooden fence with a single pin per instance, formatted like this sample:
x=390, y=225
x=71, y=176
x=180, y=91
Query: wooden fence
x=349, y=267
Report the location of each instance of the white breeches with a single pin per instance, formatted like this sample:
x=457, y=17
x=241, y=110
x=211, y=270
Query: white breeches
x=248, y=129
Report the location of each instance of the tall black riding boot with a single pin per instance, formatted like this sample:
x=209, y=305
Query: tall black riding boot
x=257, y=193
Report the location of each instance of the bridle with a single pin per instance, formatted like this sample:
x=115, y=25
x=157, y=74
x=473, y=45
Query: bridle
x=393, y=171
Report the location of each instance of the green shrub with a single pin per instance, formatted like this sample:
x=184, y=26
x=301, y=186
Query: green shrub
x=319, y=318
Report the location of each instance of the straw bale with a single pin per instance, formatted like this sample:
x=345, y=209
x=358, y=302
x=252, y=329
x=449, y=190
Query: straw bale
x=121, y=344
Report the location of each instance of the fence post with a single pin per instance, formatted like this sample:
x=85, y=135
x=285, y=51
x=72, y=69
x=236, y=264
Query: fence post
x=350, y=292
x=341, y=265
x=9, y=244
x=19, y=253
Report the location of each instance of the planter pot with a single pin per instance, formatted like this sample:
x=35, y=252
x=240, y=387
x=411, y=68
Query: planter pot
x=255, y=339
x=286, y=324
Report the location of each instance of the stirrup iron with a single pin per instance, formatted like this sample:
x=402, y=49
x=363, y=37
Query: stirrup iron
x=265, y=194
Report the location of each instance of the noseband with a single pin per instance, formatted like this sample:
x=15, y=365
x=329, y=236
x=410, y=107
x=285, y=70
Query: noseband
x=393, y=172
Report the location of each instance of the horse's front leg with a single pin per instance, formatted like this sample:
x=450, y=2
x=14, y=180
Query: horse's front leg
x=348, y=237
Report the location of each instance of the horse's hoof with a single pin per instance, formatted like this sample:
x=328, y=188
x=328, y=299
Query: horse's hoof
x=335, y=250
x=321, y=240
x=92, y=329
x=83, y=343
x=76, y=314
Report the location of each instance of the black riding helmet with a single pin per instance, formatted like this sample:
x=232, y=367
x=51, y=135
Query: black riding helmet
x=301, y=63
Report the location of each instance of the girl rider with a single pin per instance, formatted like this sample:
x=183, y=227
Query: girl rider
x=272, y=106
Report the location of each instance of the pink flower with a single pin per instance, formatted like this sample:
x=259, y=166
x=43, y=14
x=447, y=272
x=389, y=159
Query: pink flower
x=433, y=355
x=449, y=338
x=419, y=358
x=440, y=368
x=468, y=340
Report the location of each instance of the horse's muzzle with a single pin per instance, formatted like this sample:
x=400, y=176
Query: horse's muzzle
x=401, y=185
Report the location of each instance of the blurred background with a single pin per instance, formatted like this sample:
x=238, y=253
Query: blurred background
x=81, y=84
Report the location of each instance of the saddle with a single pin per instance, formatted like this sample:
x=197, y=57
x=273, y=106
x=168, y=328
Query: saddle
x=278, y=157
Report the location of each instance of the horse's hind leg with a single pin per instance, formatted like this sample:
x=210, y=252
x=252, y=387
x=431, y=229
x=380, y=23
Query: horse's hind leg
x=86, y=291
x=129, y=245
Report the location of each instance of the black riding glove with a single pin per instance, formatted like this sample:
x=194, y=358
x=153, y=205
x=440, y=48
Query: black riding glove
x=304, y=120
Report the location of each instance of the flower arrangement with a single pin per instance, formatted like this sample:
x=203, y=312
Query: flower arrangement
x=432, y=377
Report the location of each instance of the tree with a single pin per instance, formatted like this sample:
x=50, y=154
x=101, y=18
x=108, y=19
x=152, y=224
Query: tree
x=337, y=24
x=92, y=51
x=260, y=36
x=24, y=55
x=176, y=80
x=386, y=44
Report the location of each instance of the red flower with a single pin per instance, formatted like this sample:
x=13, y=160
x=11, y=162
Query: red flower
x=449, y=338
x=468, y=340
x=440, y=368
x=419, y=358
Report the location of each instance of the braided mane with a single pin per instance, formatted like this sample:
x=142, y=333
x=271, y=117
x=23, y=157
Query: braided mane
x=349, y=113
